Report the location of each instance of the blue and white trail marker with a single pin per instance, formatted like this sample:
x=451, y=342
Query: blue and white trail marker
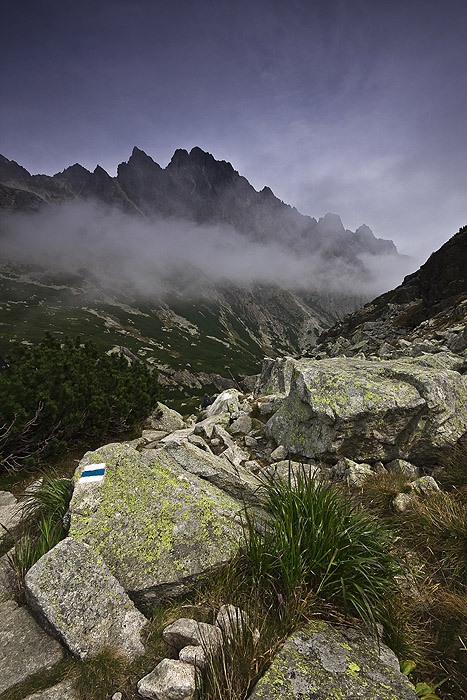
x=93, y=472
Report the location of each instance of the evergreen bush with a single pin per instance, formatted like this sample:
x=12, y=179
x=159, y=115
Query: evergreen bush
x=64, y=392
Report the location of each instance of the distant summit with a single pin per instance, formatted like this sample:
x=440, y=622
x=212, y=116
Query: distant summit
x=195, y=187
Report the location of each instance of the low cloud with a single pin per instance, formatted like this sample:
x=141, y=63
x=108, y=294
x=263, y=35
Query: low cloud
x=150, y=258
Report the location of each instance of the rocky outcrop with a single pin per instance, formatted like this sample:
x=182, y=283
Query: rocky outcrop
x=370, y=410
x=72, y=591
x=321, y=661
x=157, y=526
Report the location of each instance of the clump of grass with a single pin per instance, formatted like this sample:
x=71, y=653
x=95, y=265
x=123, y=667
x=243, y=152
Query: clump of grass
x=317, y=542
x=379, y=491
x=97, y=676
x=453, y=467
x=42, y=526
x=436, y=526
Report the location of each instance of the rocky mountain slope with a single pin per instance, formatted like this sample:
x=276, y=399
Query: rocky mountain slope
x=426, y=313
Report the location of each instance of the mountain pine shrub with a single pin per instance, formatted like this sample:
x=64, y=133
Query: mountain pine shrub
x=64, y=392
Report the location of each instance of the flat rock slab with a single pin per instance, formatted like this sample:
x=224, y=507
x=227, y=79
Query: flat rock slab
x=158, y=527
x=76, y=597
x=61, y=691
x=370, y=410
x=236, y=481
x=322, y=662
x=25, y=648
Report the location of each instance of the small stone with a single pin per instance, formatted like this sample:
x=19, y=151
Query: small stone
x=164, y=418
x=198, y=441
x=424, y=485
x=193, y=655
x=250, y=442
x=235, y=455
x=170, y=680
x=186, y=632
x=222, y=434
x=379, y=468
x=279, y=453
x=233, y=620
x=357, y=473
x=241, y=425
x=401, y=466
x=117, y=696
x=402, y=501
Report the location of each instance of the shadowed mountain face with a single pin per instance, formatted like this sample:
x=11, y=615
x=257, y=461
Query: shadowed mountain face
x=427, y=312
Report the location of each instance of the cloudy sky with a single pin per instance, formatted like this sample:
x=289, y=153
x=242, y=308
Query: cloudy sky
x=357, y=107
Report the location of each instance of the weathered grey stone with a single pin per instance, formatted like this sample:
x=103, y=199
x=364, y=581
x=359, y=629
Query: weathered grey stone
x=10, y=512
x=279, y=453
x=25, y=648
x=178, y=436
x=236, y=481
x=164, y=418
x=193, y=655
x=186, y=632
x=242, y=425
x=402, y=501
x=276, y=376
x=72, y=591
x=8, y=581
x=424, y=485
x=227, y=402
x=206, y=426
x=152, y=436
x=286, y=469
x=62, y=691
x=233, y=621
x=252, y=466
x=357, y=473
x=271, y=404
x=198, y=441
x=322, y=662
x=235, y=455
x=401, y=466
x=221, y=433
x=250, y=442
x=371, y=410
x=157, y=527
x=170, y=680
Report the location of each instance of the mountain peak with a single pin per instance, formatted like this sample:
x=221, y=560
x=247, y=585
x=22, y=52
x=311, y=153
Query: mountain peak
x=331, y=223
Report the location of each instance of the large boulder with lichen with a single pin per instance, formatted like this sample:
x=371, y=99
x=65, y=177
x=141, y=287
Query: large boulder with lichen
x=321, y=661
x=157, y=526
x=77, y=599
x=370, y=409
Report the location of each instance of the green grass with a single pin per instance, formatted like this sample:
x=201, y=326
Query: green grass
x=42, y=526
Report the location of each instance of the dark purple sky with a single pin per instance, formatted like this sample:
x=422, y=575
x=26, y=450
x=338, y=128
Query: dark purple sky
x=357, y=107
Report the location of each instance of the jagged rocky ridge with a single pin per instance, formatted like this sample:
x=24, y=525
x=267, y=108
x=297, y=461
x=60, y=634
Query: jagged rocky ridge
x=196, y=187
